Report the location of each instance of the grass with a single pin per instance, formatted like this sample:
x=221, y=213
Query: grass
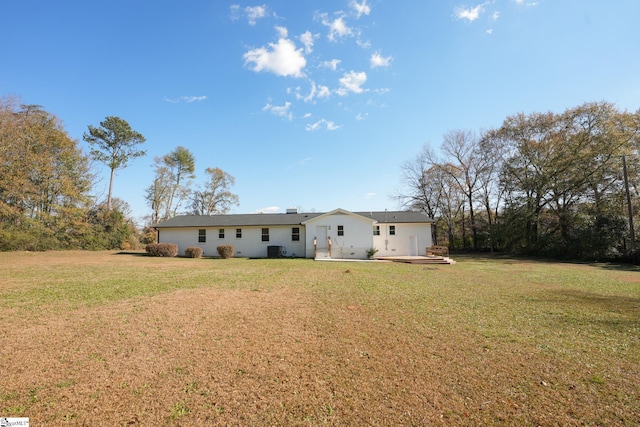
x=94, y=338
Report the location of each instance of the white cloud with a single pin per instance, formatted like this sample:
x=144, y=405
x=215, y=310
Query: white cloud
x=363, y=44
x=234, y=12
x=361, y=116
x=332, y=126
x=316, y=91
x=255, y=12
x=490, y=31
x=269, y=209
x=282, y=58
x=533, y=3
x=191, y=99
x=360, y=8
x=310, y=96
x=307, y=40
x=338, y=28
x=313, y=127
x=378, y=60
x=323, y=92
x=470, y=14
x=187, y=99
x=283, y=33
x=328, y=125
x=333, y=64
x=370, y=195
x=280, y=110
x=352, y=82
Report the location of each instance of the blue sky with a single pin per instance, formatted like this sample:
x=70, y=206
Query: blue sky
x=312, y=104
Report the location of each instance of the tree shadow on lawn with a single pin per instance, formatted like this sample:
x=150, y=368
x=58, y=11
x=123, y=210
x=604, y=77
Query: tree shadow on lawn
x=518, y=259
x=626, y=306
x=132, y=253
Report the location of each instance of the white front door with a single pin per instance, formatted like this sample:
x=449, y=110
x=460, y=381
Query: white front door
x=413, y=245
x=321, y=236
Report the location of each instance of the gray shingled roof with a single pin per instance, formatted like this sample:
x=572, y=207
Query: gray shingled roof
x=247, y=220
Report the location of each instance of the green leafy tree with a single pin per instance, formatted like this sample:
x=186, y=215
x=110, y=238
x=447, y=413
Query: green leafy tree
x=561, y=167
x=114, y=143
x=44, y=181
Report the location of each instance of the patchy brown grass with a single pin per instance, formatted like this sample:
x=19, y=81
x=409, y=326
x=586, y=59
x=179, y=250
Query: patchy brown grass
x=99, y=338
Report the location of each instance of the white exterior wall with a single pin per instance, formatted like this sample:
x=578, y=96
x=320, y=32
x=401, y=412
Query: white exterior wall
x=402, y=244
x=250, y=245
x=357, y=239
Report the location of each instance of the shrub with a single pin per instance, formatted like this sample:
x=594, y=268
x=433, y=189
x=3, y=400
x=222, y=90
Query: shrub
x=193, y=252
x=162, y=249
x=226, y=251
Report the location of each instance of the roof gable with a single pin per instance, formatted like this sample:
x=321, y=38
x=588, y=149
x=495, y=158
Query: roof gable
x=338, y=212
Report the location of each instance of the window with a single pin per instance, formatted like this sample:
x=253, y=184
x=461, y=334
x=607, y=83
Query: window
x=238, y=233
x=392, y=230
x=376, y=230
x=221, y=233
x=341, y=230
x=265, y=234
x=202, y=235
x=295, y=234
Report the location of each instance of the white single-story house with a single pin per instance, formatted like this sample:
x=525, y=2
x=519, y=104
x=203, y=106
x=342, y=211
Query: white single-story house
x=338, y=234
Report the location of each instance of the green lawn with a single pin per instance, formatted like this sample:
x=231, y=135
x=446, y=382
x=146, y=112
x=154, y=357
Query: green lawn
x=103, y=338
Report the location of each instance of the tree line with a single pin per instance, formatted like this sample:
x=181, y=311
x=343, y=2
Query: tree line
x=554, y=184
x=551, y=184
x=47, y=181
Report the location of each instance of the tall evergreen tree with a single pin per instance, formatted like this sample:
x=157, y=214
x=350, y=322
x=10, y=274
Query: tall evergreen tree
x=114, y=143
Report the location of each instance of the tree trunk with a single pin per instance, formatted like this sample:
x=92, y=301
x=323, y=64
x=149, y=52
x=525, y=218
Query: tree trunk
x=113, y=171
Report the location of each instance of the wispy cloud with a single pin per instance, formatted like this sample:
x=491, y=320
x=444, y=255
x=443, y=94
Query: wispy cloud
x=191, y=99
x=252, y=13
x=316, y=91
x=360, y=117
x=307, y=40
x=234, y=12
x=333, y=64
x=283, y=111
x=187, y=99
x=338, y=28
x=255, y=12
x=269, y=209
x=322, y=123
x=370, y=195
x=378, y=60
x=360, y=8
x=363, y=44
x=470, y=14
x=352, y=82
x=281, y=58
x=305, y=160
